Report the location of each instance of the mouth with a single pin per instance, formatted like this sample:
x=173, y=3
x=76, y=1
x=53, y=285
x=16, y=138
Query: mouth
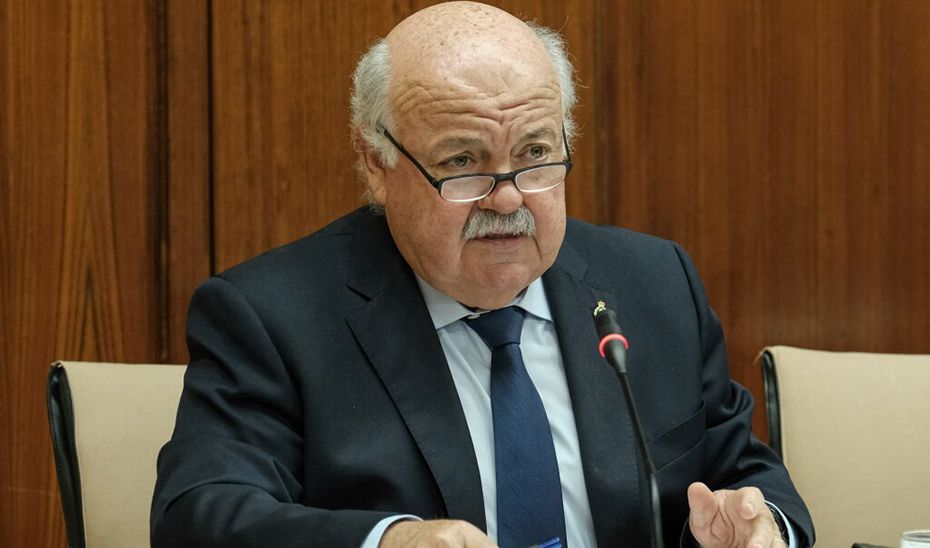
x=499, y=236
x=501, y=241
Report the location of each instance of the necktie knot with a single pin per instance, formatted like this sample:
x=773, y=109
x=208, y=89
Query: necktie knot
x=499, y=327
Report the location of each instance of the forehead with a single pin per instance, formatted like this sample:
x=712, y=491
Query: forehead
x=437, y=105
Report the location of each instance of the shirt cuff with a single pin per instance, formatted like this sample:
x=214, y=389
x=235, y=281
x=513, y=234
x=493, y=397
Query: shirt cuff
x=374, y=536
x=792, y=539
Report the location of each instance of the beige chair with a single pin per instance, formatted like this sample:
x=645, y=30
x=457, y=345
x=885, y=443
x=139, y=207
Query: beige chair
x=108, y=422
x=853, y=429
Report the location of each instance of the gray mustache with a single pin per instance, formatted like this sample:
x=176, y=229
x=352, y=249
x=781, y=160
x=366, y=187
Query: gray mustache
x=483, y=222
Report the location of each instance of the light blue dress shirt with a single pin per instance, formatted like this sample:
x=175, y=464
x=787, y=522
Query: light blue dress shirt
x=469, y=361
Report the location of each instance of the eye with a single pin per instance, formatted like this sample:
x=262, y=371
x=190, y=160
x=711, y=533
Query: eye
x=538, y=152
x=458, y=162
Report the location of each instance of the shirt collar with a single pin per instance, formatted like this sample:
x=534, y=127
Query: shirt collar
x=445, y=310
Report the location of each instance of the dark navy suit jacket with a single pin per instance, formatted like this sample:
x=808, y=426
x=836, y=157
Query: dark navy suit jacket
x=318, y=400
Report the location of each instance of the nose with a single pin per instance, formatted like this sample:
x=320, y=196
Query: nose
x=504, y=199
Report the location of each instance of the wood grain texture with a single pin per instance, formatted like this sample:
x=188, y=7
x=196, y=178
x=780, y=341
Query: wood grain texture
x=79, y=232
x=186, y=243
x=32, y=123
x=282, y=74
x=785, y=145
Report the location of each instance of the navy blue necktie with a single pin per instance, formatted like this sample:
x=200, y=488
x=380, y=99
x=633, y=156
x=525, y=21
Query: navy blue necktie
x=529, y=493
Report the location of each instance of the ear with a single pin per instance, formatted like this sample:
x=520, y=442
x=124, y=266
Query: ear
x=374, y=170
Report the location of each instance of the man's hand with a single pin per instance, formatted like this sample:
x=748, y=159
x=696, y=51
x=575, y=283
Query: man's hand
x=732, y=519
x=434, y=534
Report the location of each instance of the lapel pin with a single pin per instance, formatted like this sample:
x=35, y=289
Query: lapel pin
x=599, y=308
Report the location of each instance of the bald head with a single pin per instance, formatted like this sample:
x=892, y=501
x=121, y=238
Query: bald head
x=463, y=41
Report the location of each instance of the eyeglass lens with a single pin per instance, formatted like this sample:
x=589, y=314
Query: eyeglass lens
x=531, y=180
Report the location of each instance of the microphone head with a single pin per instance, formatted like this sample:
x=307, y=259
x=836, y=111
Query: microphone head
x=607, y=324
x=613, y=345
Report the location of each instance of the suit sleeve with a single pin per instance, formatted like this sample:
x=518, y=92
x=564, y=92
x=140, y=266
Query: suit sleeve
x=734, y=457
x=231, y=473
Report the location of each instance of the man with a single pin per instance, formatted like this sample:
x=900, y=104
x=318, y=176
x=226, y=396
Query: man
x=346, y=390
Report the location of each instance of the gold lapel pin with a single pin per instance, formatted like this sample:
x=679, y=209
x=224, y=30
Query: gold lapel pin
x=599, y=308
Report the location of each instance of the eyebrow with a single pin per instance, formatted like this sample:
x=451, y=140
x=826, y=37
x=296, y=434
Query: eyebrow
x=538, y=134
x=456, y=143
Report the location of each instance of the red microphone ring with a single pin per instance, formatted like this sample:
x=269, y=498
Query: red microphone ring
x=612, y=337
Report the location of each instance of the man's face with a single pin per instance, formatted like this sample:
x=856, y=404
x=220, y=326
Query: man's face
x=484, y=117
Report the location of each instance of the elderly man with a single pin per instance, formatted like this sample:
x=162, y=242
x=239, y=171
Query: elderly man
x=428, y=374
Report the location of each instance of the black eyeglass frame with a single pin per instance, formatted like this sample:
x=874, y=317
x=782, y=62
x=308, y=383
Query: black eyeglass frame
x=498, y=177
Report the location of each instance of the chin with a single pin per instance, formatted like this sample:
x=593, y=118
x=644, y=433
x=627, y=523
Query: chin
x=500, y=284
x=489, y=301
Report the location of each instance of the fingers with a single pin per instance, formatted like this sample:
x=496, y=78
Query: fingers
x=434, y=534
x=754, y=518
x=732, y=518
x=748, y=502
x=709, y=526
x=703, y=505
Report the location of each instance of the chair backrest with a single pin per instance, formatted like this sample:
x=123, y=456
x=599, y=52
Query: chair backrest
x=108, y=422
x=854, y=433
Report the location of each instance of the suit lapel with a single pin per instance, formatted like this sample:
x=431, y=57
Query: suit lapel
x=611, y=466
x=413, y=368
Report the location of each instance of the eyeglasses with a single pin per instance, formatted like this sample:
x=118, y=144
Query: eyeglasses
x=475, y=186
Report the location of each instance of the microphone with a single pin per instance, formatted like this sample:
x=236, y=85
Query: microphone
x=613, y=347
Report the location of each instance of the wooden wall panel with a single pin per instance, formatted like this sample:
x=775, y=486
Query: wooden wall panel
x=78, y=229
x=186, y=242
x=906, y=30
x=32, y=122
x=784, y=143
x=282, y=75
x=280, y=107
x=873, y=246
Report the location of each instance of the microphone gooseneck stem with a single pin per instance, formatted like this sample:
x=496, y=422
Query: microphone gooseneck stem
x=650, y=468
x=613, y=347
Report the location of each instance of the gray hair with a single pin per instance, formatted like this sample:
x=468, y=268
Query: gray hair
x=371, y=110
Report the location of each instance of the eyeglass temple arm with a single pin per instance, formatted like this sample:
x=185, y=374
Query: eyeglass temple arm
x=568, y=152
x=432, y=180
